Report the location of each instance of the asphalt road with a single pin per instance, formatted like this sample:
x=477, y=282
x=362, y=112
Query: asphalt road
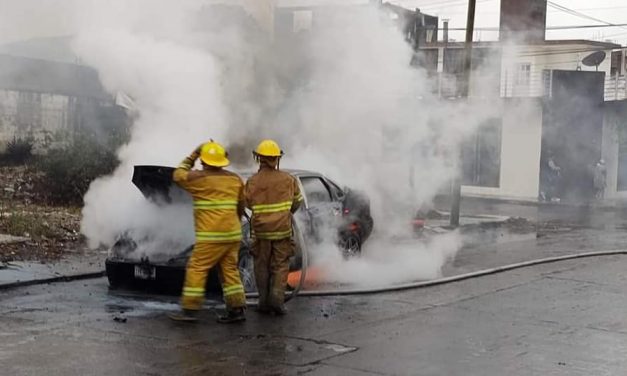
x=557, y=319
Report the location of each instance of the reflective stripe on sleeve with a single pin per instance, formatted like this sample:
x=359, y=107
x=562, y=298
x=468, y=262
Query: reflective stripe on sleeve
x=227, y=235
x=215, y=204
x=299, y=197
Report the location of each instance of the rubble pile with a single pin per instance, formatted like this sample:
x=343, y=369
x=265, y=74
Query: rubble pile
x=19, y=184
x=29, y=229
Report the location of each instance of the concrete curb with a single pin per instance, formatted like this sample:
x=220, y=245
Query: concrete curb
x=606, y=205
x=61, y=278
x=494, y=221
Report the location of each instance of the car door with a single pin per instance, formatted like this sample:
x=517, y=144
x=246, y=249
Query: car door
x=321, y=207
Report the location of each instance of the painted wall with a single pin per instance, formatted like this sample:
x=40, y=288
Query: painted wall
x=615, y=121
x=521, y=140
x=551, y=57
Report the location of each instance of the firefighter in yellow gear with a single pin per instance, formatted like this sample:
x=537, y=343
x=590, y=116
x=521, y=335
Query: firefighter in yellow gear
x=272, y=195
x=218, y=207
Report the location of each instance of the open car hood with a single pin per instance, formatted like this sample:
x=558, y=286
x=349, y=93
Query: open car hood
x=155, y=182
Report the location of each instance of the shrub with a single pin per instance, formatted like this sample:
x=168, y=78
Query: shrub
x=19, y=151
x=69, y=170
x=27, y=224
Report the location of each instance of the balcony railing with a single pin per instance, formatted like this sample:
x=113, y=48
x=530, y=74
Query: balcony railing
x=536, y=85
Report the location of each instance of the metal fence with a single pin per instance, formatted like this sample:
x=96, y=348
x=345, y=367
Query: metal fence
x=537, y=84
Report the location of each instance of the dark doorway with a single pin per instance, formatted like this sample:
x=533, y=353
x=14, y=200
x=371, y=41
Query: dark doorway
x=571, y=133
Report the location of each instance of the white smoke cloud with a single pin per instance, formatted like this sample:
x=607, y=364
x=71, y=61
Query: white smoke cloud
x=176, y=89
x=342, y=100
x=383, y=262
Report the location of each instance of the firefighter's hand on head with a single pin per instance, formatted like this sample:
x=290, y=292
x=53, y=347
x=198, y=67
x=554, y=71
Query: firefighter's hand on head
x=196, y=153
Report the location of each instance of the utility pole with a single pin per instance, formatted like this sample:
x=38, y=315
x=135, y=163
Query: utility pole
x=457, y=182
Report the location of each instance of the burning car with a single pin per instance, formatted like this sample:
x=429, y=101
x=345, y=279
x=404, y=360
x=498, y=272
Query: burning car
x=326, y=205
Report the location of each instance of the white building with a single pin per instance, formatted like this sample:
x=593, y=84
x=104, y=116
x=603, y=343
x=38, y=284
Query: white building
x=40, y=98
x=508, y=155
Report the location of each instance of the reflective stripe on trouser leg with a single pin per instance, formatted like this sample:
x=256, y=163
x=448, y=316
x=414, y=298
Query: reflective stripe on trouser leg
x=204, y=257
x=282, y=250
x=261, y=255
x=232, y=288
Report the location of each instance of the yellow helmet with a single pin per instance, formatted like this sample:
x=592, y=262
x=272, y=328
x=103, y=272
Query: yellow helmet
x=268, y=148
x=214, y=154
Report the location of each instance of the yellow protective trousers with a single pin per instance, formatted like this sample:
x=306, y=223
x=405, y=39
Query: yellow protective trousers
x=272, y=265
x=205, y=256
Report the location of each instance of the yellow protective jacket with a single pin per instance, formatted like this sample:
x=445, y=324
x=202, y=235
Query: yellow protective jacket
x=218, y=201
x=272, y=195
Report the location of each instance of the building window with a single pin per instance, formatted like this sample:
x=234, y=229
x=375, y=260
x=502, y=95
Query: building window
x=523, y=74
x=481, y=156
x=616, y=62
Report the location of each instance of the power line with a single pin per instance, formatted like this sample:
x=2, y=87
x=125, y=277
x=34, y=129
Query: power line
x=601, y=8
x=539, y=53
x=578, y=14
x=494, y=28
x=550, y=11
x=448, y=3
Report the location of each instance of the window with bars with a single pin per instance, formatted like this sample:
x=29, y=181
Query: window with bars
x=523, y=74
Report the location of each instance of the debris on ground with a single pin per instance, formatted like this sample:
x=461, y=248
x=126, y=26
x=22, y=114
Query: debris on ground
x=10, y=239
x=31, y=230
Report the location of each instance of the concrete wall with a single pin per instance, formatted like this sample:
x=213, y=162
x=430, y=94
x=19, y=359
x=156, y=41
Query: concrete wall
x=521, y=140
x=571, y=61
x=25, y=114
x=615, y=120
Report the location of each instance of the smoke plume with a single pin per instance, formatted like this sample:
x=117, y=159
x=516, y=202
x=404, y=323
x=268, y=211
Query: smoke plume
x=342, y=99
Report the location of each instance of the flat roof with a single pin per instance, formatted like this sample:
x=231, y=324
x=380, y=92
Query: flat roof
x=551, y=42
x=41, y=76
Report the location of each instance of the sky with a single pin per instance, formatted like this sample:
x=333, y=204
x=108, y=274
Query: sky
x=487, y=15
x=40, y=18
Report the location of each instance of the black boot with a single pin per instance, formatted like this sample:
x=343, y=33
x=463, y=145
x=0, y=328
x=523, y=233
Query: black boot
x=185, y=315
x=232, y=316
x=279, y=310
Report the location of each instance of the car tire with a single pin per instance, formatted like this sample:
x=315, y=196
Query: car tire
x=246, y=267
x=367, y=225
x=350, y=244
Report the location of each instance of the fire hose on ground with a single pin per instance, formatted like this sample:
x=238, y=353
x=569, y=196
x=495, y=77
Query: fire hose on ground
x=440, y=281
